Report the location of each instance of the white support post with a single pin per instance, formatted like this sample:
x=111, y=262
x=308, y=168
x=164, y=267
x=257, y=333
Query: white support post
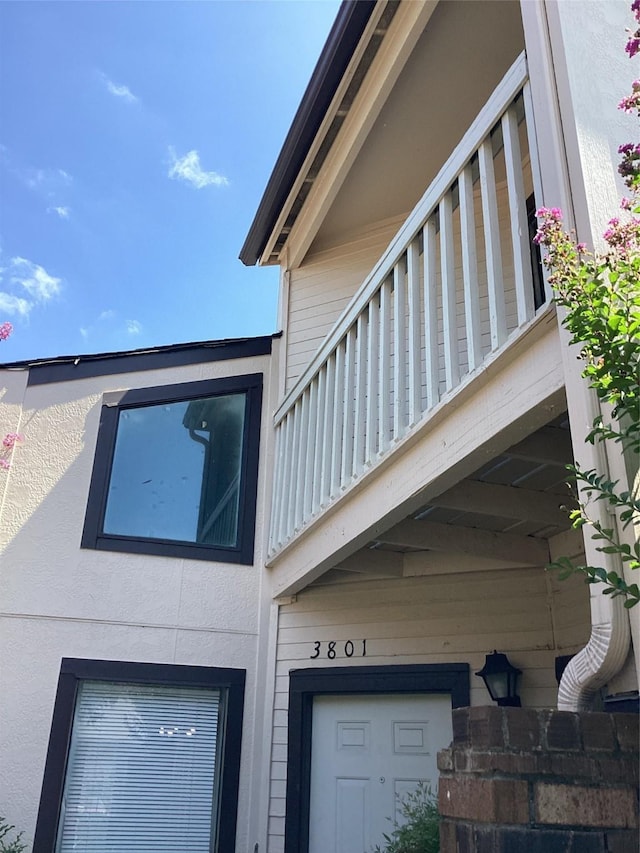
x=448, y=276
x=360, y=394
x=348, y=419
x=338, y=418
x=285, y=478
x=399, y=349
x=301, y=472
x=372, y=379
x=384, y=366
x=518, y=217
x=320, y=440
x=415, y=350
x=470, y=268
x=430, y=313
x=276, y=493
x=292, y=480
x=497, y=311
x=312, y=450
x=327, y=447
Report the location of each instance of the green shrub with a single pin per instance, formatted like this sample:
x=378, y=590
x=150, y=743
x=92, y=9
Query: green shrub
x=419, y=831
x=6, y=846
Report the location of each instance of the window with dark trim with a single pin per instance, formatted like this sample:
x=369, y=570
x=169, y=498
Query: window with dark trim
x=140, y=756
x=175, y=471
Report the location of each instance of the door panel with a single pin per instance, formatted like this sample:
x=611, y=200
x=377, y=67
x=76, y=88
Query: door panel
x=369, y=752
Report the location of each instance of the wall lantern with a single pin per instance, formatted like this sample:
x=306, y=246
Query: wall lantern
x=501, y=679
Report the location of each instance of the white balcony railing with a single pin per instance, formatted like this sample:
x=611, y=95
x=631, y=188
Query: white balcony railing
x=454, y=285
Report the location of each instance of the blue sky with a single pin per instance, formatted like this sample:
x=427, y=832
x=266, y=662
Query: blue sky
x=136, y=139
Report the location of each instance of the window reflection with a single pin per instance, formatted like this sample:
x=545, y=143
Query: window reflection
x=176, y=471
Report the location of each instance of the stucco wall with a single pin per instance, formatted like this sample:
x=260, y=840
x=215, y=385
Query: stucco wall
x=57, y=600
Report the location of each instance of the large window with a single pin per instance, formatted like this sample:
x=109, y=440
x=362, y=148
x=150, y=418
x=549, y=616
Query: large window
x=176, y=471
x=142, y=757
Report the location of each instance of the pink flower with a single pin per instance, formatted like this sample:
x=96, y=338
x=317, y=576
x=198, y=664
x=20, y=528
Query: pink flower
x=582, y=248
x=553, y=213
x=632, y=46
x=631, y=103
x=10, y=439
x=5, y=331
x=4, y=465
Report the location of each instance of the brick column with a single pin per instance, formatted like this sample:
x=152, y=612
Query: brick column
x=517, y=780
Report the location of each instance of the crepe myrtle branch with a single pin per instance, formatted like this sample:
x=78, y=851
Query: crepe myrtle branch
x=600, y=293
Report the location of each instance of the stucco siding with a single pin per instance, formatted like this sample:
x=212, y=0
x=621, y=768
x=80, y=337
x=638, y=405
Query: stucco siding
x=58, y=600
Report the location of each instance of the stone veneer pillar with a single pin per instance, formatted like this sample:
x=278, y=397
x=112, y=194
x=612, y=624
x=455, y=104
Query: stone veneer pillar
x=517, y=780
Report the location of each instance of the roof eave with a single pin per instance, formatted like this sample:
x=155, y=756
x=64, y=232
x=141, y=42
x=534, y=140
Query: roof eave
x=341, y=43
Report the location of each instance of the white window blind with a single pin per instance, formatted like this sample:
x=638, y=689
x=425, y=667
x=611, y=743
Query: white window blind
x=141, y=770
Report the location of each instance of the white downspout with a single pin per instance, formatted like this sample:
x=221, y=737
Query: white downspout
x=577, y=173
x=606, y=652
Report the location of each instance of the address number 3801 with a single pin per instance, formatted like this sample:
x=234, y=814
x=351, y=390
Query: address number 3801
x=333, y=649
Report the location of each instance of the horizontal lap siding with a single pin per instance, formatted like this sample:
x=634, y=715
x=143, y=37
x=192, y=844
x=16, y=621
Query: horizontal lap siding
x=437, y=619
x=321, y=289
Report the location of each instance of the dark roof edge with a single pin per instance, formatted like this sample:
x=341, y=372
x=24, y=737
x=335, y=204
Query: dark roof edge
x=69, y=367
x=337, y=52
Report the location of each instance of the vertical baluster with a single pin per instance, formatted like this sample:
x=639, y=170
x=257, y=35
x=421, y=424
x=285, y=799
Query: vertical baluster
x=535, y=164
x=348, y=420
x=470, y=268
x=518, y=216
x=320, y=439
x=292, y=480
x=327, y=446
x=430, y=313
x=415, y=356
x=399, y=349
x=302, y=472
x=371, y=426
x=360, y=392
x=497, y=310
x=312, y=449
x=338, y=420
x=285, y=482
x=276, y=494
x=384, y=366
x=448, y=275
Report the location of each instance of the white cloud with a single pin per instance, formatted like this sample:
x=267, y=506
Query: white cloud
x=10, y=304
x=188, y=169
x=63, y=212
x=48, y=181
x=123, y=92
x=34, y=279
x=84, y=332
x=35, y=178
x=39, y=285
x=133, y=327
x=109, y=314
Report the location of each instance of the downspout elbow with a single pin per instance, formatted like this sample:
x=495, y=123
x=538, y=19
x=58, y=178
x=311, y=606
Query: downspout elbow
x=603, y=656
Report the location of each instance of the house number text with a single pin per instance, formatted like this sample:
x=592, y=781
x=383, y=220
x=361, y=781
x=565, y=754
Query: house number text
x=333, y=649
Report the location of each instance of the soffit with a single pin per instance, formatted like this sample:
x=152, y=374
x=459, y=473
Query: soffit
x=459, y=59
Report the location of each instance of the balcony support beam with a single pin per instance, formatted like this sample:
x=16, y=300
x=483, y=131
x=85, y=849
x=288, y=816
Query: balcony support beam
x=431, y=536
x=506, y=502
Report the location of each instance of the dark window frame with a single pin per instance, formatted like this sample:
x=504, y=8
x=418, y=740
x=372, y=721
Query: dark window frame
x=305, y=684
x=113, y=403
x=231, y=683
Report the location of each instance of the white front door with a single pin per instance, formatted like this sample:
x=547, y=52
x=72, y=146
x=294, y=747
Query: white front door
x=367, y=752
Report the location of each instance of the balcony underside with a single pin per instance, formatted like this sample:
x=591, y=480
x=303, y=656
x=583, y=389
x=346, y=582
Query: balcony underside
x=495, y=419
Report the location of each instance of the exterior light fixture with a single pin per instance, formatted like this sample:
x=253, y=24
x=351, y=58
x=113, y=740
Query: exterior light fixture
x=501, y=679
